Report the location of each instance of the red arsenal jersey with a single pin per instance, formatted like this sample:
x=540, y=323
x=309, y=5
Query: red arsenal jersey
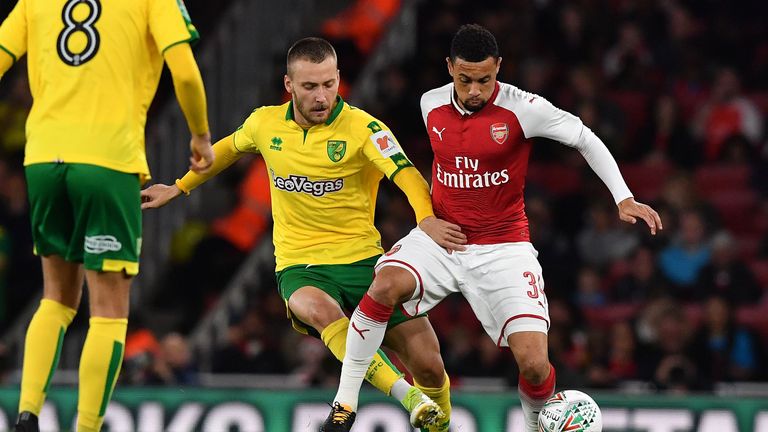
x=481, y=158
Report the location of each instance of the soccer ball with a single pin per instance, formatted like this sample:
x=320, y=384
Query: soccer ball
x=570, y=411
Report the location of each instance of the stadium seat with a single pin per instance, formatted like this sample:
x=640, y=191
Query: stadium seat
x=748, y=246
x=635, y=105
x=760, y=269
x=555, y=178
x=451, y=312
x=605, y=316
x=646, y=180
x=754, y=317
x=735, y=207
x=713, y=178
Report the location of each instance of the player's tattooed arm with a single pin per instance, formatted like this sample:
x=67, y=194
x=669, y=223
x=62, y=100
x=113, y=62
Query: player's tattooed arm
x=444, y=233
x=630, y=210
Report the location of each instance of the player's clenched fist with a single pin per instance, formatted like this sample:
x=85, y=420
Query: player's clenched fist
x=158, y=195
x=446, y=234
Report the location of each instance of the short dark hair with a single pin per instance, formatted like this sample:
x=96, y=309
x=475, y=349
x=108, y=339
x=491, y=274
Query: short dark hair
x=473, y=43
x=314, y=49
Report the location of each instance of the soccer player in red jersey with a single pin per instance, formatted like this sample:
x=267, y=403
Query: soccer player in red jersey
x=480, y=131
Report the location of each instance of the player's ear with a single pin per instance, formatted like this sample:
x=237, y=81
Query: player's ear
x=498, y=64
x=450, y=65
x=287, y=83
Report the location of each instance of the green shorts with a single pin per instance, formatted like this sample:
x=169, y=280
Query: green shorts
x=346, y=283
x=86, y=214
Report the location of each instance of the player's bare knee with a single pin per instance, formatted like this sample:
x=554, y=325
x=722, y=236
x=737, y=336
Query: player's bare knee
x=321, y=317
x=392, y=286
x=535, y=370
x=314, y=308
x=383, y=292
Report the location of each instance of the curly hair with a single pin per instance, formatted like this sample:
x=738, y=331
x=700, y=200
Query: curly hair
x=473, y=43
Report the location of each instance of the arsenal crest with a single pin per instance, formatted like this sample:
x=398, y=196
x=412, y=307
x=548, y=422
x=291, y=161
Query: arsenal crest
x=499, y=132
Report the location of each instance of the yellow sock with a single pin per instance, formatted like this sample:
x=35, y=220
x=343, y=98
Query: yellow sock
x=41, y=352
x=99, y=367
x=442, y=397
x=382, y=374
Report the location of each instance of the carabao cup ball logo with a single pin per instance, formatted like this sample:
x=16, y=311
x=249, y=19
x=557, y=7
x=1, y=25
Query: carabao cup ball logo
x=570, y=411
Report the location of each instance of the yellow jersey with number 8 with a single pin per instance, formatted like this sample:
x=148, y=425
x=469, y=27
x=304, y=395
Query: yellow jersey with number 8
x=94, y=66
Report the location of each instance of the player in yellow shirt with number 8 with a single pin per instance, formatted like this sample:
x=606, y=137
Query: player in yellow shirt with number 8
x=93, y=66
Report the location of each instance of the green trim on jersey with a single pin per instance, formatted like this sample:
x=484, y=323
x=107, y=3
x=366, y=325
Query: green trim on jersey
x=189, y=41
x=401, y=161
x=194, y=35
x=335, y=113
x=9, y=53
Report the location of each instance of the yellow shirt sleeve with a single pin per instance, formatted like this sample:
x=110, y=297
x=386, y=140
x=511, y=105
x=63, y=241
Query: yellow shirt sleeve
x=225, y=155
x=6, y=61
x=13, y=32
x=245, y=136
x=170, y=24
x=189, y=87
x=410, y=181
x=384, y=151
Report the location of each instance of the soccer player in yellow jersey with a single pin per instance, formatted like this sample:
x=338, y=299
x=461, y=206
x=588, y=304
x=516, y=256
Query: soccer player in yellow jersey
x=93, y=66
x=325, y=160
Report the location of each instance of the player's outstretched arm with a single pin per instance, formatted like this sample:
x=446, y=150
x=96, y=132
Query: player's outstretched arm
x=190, y=93
x=630, y=210
x=159, y=195
x=444, y=233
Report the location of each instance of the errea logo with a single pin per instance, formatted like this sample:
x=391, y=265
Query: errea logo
x=102, y=243
x=276, y=143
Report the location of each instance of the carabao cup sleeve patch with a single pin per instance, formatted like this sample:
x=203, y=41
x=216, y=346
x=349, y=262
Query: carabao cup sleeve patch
x=385, y=143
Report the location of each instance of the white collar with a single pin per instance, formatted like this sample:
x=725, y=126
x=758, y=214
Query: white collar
x=455, y=102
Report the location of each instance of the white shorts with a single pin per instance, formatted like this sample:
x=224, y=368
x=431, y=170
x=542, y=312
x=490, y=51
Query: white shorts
x=502, y=282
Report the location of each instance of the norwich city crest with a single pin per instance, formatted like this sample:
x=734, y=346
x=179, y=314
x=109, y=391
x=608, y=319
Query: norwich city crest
x=336, y=150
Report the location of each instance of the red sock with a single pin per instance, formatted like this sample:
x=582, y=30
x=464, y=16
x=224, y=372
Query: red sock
x=541, y=391
x=374, y=310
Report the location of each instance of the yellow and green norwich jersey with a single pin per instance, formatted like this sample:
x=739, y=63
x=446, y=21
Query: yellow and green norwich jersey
x=94, y=66
x=324, y=181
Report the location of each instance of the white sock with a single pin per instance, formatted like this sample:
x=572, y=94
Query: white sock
x=400, y=389
x=531, y=409
x=364, y=337
x=533, y=397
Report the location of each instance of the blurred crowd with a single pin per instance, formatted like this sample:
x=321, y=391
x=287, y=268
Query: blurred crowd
x=678, y=91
